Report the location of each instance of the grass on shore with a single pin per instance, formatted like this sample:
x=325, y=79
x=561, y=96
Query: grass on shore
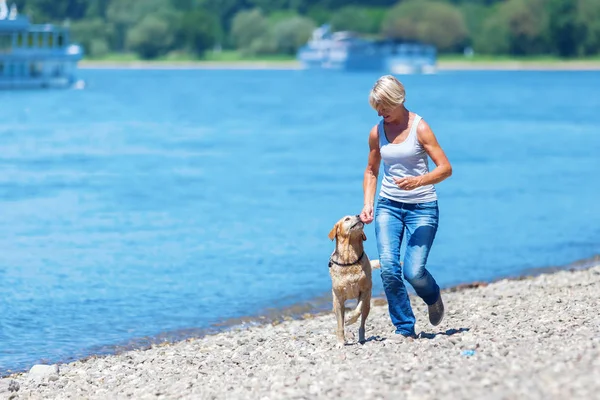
x=232, y=56
x=550, y=59
x=229, y=56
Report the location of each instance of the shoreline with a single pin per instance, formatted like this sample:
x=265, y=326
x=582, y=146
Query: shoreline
x=535, y=337
x=519, y=66
x=314, y=307
x=191, y=65
x=574, y=65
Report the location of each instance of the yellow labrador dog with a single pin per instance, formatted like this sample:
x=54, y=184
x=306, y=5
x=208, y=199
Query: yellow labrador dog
x=350, y=271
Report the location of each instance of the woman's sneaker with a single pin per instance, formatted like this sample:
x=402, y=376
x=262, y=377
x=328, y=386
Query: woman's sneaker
x=436, y=311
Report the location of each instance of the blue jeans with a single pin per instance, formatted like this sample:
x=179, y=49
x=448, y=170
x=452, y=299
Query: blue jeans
x=418, y=223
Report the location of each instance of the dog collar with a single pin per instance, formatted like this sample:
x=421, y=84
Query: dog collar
x=346, y=265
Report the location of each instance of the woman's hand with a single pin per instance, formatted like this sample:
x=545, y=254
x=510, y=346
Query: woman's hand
x=366, y=215
x=409, y=183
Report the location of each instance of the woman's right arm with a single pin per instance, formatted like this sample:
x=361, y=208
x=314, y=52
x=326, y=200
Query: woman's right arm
x=370, y=179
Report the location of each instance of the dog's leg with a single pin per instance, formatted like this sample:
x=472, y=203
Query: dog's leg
x=338, y=308
x=365, y=299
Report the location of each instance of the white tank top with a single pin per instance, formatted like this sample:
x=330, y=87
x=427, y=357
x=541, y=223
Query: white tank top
x=403, y=160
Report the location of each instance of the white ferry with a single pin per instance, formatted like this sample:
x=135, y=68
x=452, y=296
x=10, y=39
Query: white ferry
x=347, y=51
x=35, y=56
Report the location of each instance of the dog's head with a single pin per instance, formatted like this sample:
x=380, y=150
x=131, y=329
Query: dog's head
x=348, y=228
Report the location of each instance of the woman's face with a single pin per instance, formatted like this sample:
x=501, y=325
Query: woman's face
x=390, y=114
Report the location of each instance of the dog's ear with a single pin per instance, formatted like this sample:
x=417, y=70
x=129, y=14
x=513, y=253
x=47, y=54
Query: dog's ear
x=364, y=236
x=333, y=232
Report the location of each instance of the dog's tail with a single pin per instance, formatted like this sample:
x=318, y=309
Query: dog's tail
x=375, y=264
x=354, y=314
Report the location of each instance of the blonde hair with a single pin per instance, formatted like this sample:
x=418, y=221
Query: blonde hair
x=388, y=92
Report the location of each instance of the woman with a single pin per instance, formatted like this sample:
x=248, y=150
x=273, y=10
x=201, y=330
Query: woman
x=407, y=205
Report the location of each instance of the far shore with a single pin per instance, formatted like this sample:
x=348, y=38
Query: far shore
x=509, y=65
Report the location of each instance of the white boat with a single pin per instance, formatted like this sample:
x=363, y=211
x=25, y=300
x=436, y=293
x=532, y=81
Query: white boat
x=35, y=56
x=347, y=51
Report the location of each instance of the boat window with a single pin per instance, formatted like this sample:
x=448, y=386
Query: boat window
x=50, y=40
x=1, y=68
x=30, y=39
x=40, y=39
x=60, y=39
x=20, y=40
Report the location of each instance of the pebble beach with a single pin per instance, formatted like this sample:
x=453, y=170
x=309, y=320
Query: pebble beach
x=534, y=338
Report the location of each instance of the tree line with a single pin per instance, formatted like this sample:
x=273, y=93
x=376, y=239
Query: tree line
x=159, y=28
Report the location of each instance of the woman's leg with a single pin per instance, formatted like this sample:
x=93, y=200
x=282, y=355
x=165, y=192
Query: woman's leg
x=421, y=222
x=389, y=228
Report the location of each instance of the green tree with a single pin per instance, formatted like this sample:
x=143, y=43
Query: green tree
x=96, y=9
x=588, y=18
x=475, y=14
x=337, y=4
x=265, y=44
x=357, y=19
x=528, y=24
x=199, y=31
x=184, y=5
x=518, y=27
x=275, y=17
x=247, y=26
x=93, y=35
x=151, y=37
x=225, y=10
x=292, y=33
x=42, y=11
x=319, y=14
x=268, y=6
x=563, y=27
x=124, y=14
x=435, y=22
x=564, y=31
x=493, y=37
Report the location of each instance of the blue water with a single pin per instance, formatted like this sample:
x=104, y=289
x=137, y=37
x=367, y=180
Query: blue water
x=158, y=201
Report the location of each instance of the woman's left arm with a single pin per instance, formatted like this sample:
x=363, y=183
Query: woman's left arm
x=442, y=169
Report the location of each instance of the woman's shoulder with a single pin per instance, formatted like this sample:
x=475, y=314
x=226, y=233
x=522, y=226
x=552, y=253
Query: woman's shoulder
x=422, y=125
x=418, y=119
x=375, y=130
x=424, y=132
x=414, y=116
x=374, y=136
